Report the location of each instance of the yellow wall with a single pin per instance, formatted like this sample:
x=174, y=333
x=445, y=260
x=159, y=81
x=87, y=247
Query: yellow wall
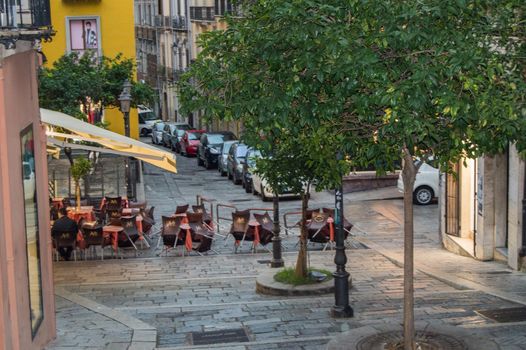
x=117, y=35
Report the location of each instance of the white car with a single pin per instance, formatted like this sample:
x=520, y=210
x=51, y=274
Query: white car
x=157, y=133
x=146, y=120
x=426, y=184
x=260, y=185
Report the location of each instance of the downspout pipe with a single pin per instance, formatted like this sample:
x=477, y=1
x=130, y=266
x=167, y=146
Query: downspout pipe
x=522, y=252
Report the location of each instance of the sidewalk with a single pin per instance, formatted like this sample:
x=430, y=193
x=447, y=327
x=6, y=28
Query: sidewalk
x=174, y=302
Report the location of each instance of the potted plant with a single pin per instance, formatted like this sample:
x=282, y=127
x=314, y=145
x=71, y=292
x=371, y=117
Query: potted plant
x=80, y=168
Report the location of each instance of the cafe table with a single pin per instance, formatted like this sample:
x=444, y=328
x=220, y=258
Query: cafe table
x=84, y=212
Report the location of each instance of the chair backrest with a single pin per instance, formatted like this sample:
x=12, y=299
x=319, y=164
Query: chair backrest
x=171, y=225
x=199, y=209
x=65, y=239
x=318, y=220
x=113, y=203
x=194, y=217
x=265, y=221
x=240, y=220
x=329, y=211
x=92, y=235
x=114, y=216
x=181, y=209
x=129, y=224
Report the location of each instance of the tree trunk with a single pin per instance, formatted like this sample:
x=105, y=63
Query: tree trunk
x=301, y=263
x=77, y=193
x=408, y=175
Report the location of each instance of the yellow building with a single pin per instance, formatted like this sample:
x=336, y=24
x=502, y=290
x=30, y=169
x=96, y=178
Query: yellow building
x=101, y=25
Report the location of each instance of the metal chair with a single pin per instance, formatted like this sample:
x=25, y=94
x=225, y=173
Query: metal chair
x=130, y=234
x=239, y=227
x=171, y=227
x=93, y=237
x=202, y=234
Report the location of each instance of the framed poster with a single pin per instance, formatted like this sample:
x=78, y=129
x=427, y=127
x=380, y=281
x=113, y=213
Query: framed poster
x=36, y=307
x=83, y=34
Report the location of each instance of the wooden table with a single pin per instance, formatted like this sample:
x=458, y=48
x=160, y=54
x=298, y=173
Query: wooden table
x=84, y=212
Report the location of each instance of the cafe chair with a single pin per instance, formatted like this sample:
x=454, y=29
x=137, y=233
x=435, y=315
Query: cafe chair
x=113, y=217
x=318, y=230
x=113, y=203
x=207, y=218
x=93, y=237
x=129, y=235
x=202, y=235
x=347, y=226
x=266, y=227
x=138, y=205
x=181, y=209
x=170, y=231
x=66, y=240
x=239, y=227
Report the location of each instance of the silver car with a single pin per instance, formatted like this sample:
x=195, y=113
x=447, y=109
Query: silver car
x=222, y=161
x=157, y=133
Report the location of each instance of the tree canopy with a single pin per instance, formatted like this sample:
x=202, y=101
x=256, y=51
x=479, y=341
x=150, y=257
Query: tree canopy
x=75, y=81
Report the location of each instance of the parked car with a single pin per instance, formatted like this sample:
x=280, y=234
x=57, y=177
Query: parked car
x=261, y=187
x=157, y=133
x=189, y=142
x=29, y=181
x=426, y=184
x=178, y=134
x=235, y=161
x=146, y=120
x=210, y=147
x=248, y=168
x=221, y=163
x=168, y=131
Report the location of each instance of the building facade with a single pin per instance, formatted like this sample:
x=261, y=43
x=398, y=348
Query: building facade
x=482, y=209
x=27, y=304
x=104, y=27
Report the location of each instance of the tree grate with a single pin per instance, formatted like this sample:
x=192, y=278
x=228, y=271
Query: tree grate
x=512, y=314
x=237, y=335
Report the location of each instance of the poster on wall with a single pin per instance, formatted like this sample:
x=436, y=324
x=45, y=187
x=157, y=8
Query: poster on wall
x=36, y=308
x=84, y=35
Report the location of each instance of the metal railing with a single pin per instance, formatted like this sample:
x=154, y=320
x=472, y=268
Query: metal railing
x=202, y=13
x=179, y=22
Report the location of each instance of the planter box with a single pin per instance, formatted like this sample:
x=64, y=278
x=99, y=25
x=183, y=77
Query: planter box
x=367, y=180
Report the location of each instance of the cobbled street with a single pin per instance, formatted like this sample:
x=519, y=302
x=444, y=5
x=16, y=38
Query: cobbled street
x=165, y=302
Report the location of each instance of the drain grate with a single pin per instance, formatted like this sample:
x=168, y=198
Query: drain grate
x=236, y=335
x=512, y=314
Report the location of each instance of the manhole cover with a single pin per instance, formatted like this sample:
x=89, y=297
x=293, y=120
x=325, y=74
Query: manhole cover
x=513, y=314
x=425, y=340
x=221, y=336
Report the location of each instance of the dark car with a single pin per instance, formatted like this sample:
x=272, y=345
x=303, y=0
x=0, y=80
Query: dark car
x=235, y=161
x=210, y=147
x=248, y=168
x=177, y=135
x=190, y=142
x=168, y=130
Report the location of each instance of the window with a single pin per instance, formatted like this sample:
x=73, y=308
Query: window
x=83, y=34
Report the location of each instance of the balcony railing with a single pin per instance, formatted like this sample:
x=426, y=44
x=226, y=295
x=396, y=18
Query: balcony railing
x=202, y=13
x=24, y=20
x=179, y=22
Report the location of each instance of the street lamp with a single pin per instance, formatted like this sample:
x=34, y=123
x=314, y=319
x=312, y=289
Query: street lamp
x=341, y=306
x=125, y=100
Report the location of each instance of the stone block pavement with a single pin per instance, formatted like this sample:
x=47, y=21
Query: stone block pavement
x=155, y=302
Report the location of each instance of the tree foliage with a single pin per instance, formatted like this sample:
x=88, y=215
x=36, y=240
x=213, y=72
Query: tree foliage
x=75, y=81
x=378, y=80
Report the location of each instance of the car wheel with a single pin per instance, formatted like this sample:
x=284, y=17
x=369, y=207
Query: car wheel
x=254, y=192
x=228, y=174
x=144, y=132
x=263, y=196
x=242, y=182
x=423, y=195
x=248, y=188
x=199, y=161
x=207, y=164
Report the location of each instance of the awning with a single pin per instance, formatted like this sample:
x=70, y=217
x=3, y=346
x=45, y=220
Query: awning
x=111, y=141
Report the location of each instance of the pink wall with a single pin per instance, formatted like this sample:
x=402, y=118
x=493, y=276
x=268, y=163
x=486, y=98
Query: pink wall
x=19, y=109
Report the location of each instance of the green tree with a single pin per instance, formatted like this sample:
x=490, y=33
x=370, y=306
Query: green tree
x=80, y=168
x=378, y=80
x=82, y=80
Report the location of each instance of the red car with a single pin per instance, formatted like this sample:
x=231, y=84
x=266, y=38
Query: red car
x=190, y=141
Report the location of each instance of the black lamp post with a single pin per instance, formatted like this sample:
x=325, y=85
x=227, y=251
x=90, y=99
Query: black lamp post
x=522, y=252
x=277, y=260
x=125, y=100
x=341, y=306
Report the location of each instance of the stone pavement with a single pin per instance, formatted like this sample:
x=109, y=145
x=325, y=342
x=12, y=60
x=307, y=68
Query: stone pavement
x=167, y=302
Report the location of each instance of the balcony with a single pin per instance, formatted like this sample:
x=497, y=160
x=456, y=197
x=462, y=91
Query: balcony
x=24, y=20
x=202, y=13
x=179, y=22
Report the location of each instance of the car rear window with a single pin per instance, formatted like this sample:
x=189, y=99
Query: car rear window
x=194, y=135
x=241, y=151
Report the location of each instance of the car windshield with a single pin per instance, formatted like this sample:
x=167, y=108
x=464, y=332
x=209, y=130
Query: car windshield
x=241, y=151
x=183, y=127
x=226, y=147
x=180, y=132
x=148, y=115
x=215, y=138
x=159, y=126
x=194, y=135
